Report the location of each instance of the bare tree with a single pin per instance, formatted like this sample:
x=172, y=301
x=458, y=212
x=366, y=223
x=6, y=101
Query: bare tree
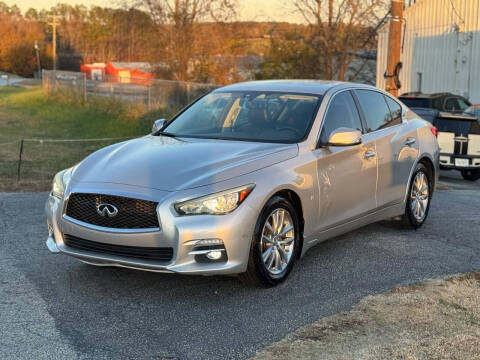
x=178, y=21
x=340, y=28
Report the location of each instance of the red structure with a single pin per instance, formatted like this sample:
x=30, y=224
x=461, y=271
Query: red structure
x=95, y=71
x=124, y=72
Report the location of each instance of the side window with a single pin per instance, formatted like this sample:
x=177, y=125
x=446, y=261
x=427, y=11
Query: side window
x=342, y=112
x=395, y=110
x=463, y=104
x=452, y=104
x=375, y=109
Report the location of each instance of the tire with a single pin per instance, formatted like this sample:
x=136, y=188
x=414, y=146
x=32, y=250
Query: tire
x=415, y=215
x=258, y=272
x=471, y=175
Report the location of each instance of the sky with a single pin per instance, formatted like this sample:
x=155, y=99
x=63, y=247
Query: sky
x=256, y=10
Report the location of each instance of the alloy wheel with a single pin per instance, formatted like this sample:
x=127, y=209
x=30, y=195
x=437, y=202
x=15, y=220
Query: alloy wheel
x=419, y=196
x=278, y=241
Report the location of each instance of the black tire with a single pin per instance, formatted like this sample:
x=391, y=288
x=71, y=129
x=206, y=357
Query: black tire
x=471, y=175
x=257, y=273
x=409, y=220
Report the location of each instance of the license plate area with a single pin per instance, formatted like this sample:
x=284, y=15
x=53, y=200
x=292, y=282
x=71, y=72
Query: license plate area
x=462, y=162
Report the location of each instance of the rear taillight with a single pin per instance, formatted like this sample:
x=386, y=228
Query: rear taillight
x=434, y=131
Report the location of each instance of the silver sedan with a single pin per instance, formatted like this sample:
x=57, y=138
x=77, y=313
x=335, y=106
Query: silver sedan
x=246, y=179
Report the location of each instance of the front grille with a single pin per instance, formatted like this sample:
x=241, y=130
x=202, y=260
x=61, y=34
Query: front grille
x=146, y=253
x=132, y=213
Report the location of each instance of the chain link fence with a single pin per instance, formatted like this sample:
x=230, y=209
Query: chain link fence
x=151, y=94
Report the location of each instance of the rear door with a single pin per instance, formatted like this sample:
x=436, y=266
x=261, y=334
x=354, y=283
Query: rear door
x=396, y=144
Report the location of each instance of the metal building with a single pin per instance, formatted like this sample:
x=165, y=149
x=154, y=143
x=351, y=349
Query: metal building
x=440, y=48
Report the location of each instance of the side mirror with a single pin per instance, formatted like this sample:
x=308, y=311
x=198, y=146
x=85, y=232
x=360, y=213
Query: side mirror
x=158, y=124
x=345, y=137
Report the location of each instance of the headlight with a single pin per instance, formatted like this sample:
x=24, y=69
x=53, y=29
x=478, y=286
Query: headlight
x=60, y=182
x=216, y=204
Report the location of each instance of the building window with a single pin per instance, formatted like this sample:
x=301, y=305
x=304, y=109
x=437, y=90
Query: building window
x=419, y=81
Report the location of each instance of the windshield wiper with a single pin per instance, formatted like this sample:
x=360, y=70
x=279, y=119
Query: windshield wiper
x=163, y=133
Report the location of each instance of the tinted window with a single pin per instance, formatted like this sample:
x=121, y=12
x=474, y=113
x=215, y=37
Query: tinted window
x=395, y=110
x=452, y=104
x=453, y=125
x=375, y=109
x=342, y=112
x=413, y=102
x=252, y=115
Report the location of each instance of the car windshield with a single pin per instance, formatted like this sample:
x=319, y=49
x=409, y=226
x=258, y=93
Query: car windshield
x=247, y=116
x=459, y=127
x=416, y=102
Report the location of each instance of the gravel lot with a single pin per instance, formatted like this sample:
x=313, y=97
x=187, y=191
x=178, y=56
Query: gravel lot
x=56, y=307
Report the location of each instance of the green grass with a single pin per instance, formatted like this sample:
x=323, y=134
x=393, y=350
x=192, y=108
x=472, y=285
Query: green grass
x=29, y=114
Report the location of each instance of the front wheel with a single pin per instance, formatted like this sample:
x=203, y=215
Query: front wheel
x=275, y=244
x=471, y=175
x=418, y=200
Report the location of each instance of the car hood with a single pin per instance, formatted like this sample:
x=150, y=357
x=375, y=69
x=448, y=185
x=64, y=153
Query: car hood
x=170, y=164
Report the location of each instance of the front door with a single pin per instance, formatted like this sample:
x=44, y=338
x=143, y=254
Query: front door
x=347, y=175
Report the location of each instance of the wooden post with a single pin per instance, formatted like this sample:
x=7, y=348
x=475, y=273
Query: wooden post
x=394, y=44
x=20, y=160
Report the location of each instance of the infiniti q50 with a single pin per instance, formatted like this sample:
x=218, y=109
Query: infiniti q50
x=246, y=179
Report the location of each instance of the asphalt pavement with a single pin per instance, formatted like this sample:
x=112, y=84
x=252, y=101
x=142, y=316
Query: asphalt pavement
x=54, y=307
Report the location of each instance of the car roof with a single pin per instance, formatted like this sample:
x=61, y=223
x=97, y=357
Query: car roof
x=420, y=95
x=317, y=87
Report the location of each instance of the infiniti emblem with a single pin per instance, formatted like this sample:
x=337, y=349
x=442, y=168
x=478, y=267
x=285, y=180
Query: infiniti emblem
x=107, y=209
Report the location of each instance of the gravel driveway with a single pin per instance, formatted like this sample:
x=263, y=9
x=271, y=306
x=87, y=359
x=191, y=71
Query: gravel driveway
x=52, y=306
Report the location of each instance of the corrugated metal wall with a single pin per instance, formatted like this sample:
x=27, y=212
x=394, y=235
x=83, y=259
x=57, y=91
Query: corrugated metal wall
x=440, y=48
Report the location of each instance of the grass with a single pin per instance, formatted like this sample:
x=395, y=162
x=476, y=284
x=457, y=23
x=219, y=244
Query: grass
x=29, y=114
x=438, y=319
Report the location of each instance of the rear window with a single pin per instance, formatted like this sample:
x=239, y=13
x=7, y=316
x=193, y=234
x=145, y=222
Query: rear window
x=458, y=127
x=415, y=102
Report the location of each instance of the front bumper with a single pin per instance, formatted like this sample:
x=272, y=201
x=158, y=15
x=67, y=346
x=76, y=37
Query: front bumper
x=177, y=232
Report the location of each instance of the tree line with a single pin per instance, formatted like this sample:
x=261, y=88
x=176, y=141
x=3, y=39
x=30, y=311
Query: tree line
x=194, y=40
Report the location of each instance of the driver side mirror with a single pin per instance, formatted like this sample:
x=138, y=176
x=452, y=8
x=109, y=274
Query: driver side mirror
x=345, y=137
x=158, y=124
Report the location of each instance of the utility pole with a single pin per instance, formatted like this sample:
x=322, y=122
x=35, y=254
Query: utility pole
x=54, y=38
x=394, y=44
x=38, y=60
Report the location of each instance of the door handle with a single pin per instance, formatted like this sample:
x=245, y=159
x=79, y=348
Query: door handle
x=410, y=141
x=369, y=154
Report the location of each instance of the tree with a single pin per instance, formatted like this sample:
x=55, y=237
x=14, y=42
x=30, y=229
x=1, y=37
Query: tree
x=339, y=29
x=17, y=46
x=177, y=22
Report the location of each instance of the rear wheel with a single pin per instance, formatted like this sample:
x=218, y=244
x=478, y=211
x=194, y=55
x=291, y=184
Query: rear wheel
x=275, y=244
x=419, y=196
x=471, y=175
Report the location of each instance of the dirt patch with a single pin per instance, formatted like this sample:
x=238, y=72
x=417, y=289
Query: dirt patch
x=438, y=319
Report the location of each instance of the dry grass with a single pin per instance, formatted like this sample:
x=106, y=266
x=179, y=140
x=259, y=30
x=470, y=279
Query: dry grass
x=438, y=319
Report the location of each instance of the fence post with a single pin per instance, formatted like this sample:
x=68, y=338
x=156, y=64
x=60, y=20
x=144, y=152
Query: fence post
x=85, y=87
x=149, y=94
x=188, y=94
x=20, y=160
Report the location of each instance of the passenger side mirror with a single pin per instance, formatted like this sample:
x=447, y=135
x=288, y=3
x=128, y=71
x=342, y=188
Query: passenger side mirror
x=345, y=137
x=158, y=124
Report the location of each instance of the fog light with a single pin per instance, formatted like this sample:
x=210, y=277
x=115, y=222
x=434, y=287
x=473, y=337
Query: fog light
x=214, y=255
